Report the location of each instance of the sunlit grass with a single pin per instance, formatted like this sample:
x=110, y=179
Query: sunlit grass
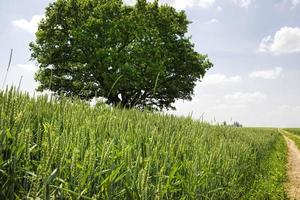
x=56, y=149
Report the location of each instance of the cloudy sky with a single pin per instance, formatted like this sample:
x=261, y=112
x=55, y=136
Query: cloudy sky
x=254, y=45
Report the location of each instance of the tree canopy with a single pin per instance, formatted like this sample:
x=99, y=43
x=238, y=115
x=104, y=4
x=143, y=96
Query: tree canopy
x=135, y=56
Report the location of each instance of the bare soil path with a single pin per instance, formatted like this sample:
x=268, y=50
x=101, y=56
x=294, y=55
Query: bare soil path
x=293, y=183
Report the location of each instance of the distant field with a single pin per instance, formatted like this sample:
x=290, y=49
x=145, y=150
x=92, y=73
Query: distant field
x=52, y=149
x=293, y=130
x=294, y=134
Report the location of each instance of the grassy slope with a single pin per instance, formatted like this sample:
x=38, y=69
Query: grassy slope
x=62, y=149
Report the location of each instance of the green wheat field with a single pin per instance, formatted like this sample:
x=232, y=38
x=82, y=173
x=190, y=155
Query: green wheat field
x=61, y=149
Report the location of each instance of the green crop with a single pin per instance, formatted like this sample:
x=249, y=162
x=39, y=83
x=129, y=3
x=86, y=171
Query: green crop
x=295, y=131
x=61, y=149
x=293, y=134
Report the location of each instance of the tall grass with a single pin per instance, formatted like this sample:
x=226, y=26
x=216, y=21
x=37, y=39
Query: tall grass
x=60, y=149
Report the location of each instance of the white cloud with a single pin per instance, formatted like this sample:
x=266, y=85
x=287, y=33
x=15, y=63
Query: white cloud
x=179, y=4
x=243, y=3
x=267, y=74
x=215, y=79
x=246, y=98
x=30, y=26
x=28, y=67
x=212, y=21
x=219, y=9
x=286, y=40
x=182, y=4
x=265, y=44
x=295, y=2
x=205, y=3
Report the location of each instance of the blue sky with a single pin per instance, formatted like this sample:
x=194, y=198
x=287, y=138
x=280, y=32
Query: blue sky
x=254, y=45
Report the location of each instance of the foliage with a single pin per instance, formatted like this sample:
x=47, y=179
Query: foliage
x=136, y=56
x=52, y=149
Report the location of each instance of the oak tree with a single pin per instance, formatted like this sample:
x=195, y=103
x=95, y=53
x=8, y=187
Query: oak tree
x=134, y=56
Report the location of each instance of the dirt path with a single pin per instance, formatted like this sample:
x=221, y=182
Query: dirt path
x=293, y=184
